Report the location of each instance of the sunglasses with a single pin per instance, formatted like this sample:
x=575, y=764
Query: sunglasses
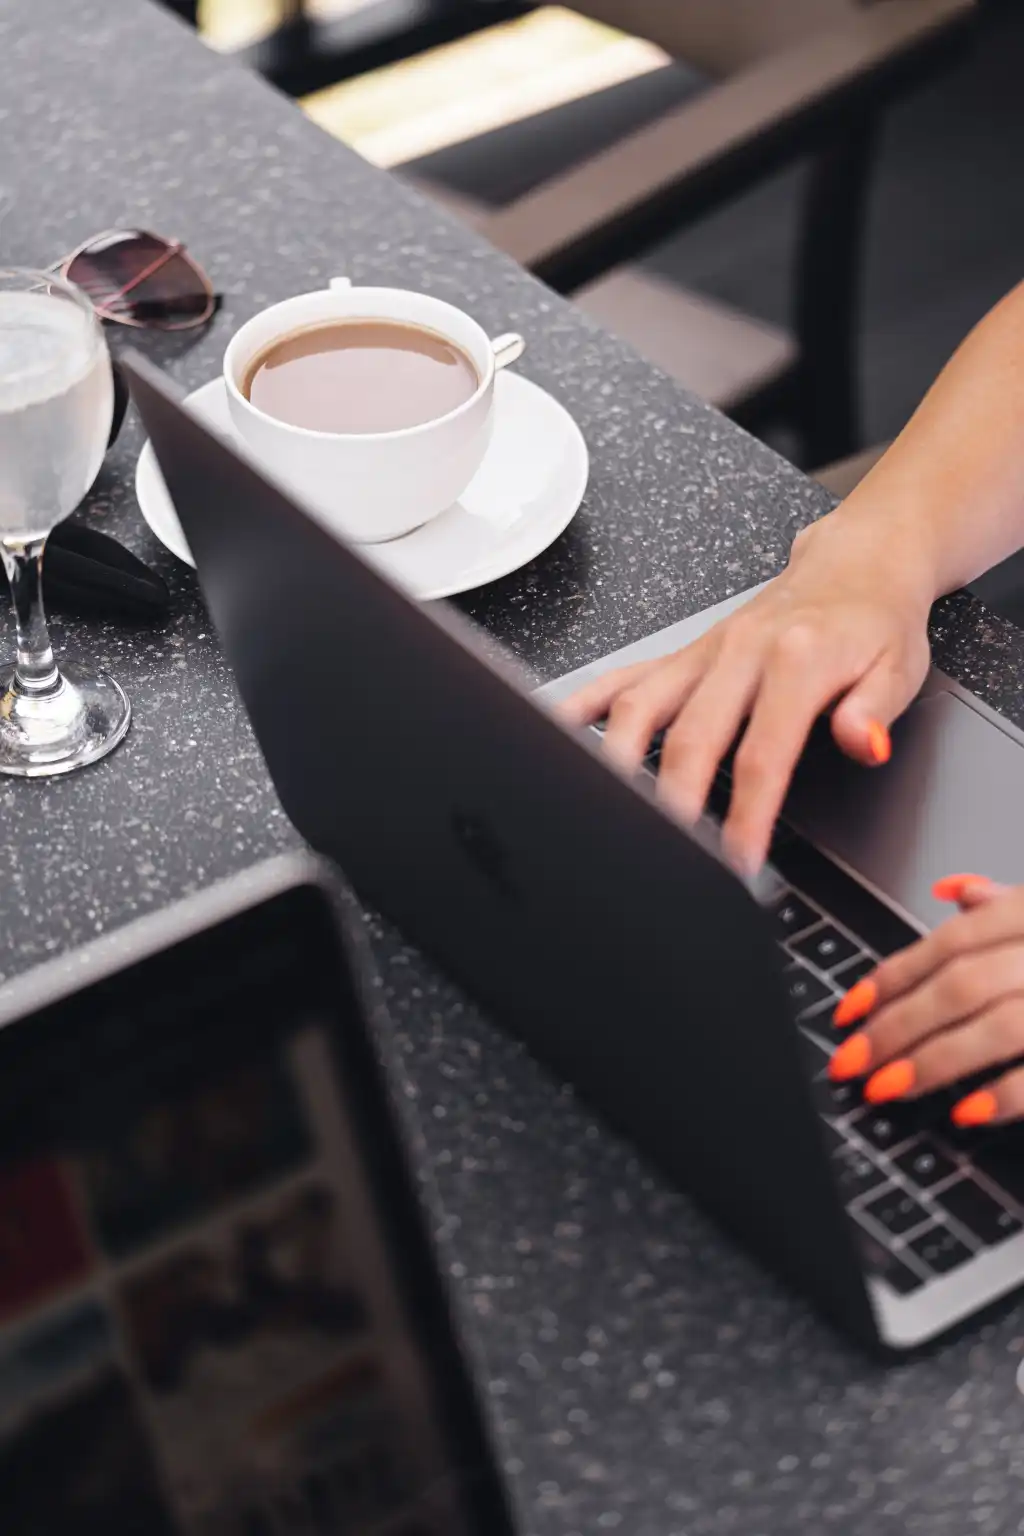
x=135, y=278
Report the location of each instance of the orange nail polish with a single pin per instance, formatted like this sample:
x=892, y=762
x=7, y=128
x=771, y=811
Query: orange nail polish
x=890, y=1082
x=852, y=1059
x=857, y=1004
x=952, y=887
x=879, y=741
x=977, y=1109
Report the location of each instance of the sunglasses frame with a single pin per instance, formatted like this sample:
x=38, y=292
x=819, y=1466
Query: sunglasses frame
x=172, y=248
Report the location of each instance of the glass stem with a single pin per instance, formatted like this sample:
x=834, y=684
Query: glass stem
x=36, y=672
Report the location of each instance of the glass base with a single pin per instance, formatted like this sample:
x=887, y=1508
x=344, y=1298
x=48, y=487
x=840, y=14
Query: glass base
x=80, y=721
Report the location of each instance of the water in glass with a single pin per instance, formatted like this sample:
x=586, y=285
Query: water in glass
x=56, y=403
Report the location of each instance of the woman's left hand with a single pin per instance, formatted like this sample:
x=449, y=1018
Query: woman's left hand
x=947, y=1008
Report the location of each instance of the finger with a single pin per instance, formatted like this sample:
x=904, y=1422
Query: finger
x=648, y=705
x=967, y=891
x=923, y=1033
x=591, y=702
x=991, y=1039
x=799, y=681
x=707, y=728
x=985, y=926
x=905, y=970
x=978, y=892
x=995, y=1104
x=860, y=723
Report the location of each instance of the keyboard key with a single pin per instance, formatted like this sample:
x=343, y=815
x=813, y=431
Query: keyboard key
x=793, y=914
x=881, y=1262
x=975, y=1209
x=887, y=1127
x=857, y=969
x=806, y=991
x=896, y=1211
x=1001, y=1157
x=826, y=948
x=855, y=1173
x=940, y=1250
x=837, y=1098
x=925, y=1164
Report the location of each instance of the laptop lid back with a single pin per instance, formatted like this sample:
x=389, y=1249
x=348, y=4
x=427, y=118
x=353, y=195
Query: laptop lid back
x=626, y=957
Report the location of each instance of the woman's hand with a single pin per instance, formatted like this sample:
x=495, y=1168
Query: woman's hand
x=948, y=1007
x=844, y=627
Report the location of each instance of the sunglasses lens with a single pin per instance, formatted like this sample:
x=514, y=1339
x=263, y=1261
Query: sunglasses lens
x=121, y=400
x=141, y=279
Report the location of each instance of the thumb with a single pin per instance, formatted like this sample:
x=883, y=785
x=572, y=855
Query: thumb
x=861, y=721
x=967, y=891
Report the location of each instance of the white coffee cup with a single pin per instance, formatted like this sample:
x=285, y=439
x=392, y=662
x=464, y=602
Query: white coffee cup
x=371, y=486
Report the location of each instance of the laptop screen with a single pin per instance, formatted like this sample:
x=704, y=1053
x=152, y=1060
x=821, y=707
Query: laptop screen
x=218, y=1316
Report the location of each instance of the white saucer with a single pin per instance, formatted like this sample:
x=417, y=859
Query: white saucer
x=524, y=495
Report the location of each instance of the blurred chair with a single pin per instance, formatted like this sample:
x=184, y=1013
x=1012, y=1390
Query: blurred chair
x=187, y=9
x=774, y=82
x=304, y=53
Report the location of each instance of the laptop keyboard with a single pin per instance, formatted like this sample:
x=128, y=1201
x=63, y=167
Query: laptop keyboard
x=926, y=1198
x=923, y=1205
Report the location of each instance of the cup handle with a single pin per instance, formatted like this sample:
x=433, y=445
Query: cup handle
x=507, y=349
x=339, y=284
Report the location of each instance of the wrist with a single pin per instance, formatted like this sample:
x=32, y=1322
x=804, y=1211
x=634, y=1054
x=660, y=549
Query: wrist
x=887, y=548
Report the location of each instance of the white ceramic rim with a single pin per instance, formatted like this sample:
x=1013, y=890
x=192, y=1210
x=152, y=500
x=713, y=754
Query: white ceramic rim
x=338, y=286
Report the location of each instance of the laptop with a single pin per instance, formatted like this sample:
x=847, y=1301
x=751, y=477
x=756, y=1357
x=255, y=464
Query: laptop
x=219, y=1308
x=693, y=1011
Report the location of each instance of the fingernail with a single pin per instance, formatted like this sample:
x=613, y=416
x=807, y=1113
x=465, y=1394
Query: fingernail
x=852, y=1059
x=952, y=887
x=879, y=741
x=890, y=1082
x=857, y=1004
x=977, y=1109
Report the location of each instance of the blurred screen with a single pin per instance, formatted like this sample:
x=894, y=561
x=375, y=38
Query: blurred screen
x=202, y=1323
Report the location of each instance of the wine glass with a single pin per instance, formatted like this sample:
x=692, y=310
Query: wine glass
x=56, y=405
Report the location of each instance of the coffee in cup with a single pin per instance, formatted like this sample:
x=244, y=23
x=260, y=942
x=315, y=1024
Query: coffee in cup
x=402, y=385
x=359, y=375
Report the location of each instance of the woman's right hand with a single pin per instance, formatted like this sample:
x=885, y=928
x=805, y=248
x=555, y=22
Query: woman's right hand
x=844, y=627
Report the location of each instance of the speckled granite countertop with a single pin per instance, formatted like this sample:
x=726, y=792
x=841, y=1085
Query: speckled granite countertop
x=643, y=1374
